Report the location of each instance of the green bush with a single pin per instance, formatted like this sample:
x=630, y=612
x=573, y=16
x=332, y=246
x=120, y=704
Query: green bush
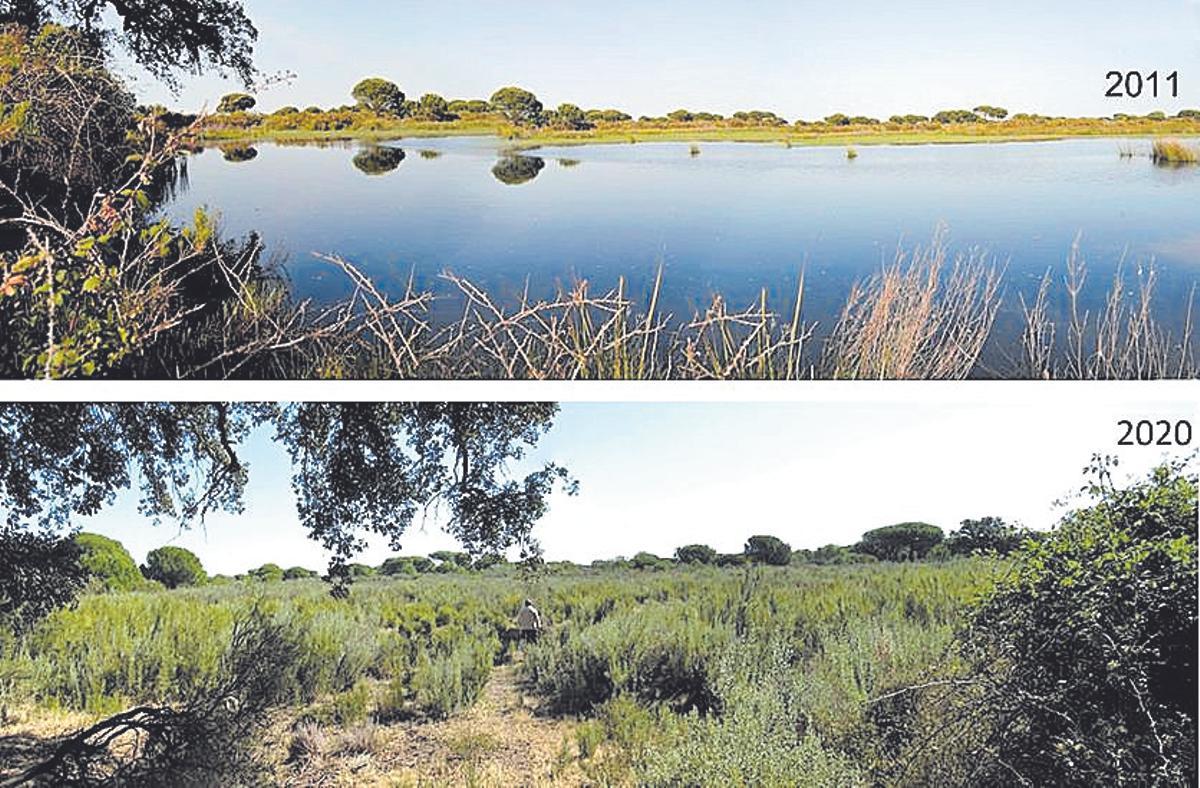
x=446, y=681
x=695, y=554
x=1087, y=655
x=270, y=573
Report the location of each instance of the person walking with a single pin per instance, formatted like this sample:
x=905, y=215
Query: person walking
x=529, y=622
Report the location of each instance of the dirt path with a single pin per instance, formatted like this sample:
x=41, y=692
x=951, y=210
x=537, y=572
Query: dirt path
x=500, y=741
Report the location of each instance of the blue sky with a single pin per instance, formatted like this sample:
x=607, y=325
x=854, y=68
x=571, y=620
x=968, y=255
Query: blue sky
x=654, y=476
x=800, y=59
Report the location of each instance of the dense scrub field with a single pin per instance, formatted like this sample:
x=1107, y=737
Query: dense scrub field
x=747, y=673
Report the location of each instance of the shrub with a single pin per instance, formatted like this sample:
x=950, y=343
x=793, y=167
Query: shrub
x=174, y=567
x=695, y=554
x=445, y=681
x=298, y=573
x=1085, y=659
x=352, y=706
x=109, y=562
x=398, y=566
x=644, y=560
x=271, y=573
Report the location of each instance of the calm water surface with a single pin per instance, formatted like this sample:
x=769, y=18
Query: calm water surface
x=734, y=219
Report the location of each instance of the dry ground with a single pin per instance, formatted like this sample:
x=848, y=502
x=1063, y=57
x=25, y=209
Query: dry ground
x=500, y=741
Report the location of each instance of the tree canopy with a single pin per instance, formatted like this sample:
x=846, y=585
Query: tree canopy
x=236, y=102
x=108, y=562
x=379, y=95
x=174, y=567
x=900, y=542
x=38, y=574
x=518, y=105
x=768, y=550
x=357, y=468
x=164, y=36
x=695, y=554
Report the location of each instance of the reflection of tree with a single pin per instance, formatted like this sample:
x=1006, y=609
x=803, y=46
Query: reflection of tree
x=238, y=153
x=378, y=160
x=515, y=170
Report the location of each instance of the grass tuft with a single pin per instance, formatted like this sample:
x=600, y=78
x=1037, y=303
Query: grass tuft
x=1173, y=152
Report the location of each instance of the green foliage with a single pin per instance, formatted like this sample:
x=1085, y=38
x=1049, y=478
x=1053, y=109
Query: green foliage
x=695, y=554
x=38, y=573
x=956, y=116
x=174, y=567
x=379, y=95
x=433, y=107
x=831, y=555
x=644, y=560
x=236, y=102
x=570, y=117
x=109, y=562
x=900, y=542
x=361, y=570
x=985, y=534
x=299, y=573
x=392, y=567
x=474, y=106
x=369, y=466
x=352, y=706
x=1086, y=657
x=455, y=558
x=838, y=119
x=268, y=573
x=607, y=116
x=992, y=113
x=165, y=37
x=450, y=678
x=768, y=550
x=519, y=106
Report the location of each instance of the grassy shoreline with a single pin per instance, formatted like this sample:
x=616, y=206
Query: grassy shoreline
x=519, y=139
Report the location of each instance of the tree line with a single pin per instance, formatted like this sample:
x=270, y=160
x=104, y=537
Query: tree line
x=109, y=566
x=521, y=107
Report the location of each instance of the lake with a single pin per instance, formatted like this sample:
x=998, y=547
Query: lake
x=736, y=218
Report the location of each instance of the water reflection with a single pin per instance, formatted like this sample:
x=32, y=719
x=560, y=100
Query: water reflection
x=430, y=154
x=238, y=153
x=378, y=160
x=514, y=170
x=568, y=163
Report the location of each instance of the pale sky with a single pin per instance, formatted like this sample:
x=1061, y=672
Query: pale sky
x=654, y=476
x=796, y=57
